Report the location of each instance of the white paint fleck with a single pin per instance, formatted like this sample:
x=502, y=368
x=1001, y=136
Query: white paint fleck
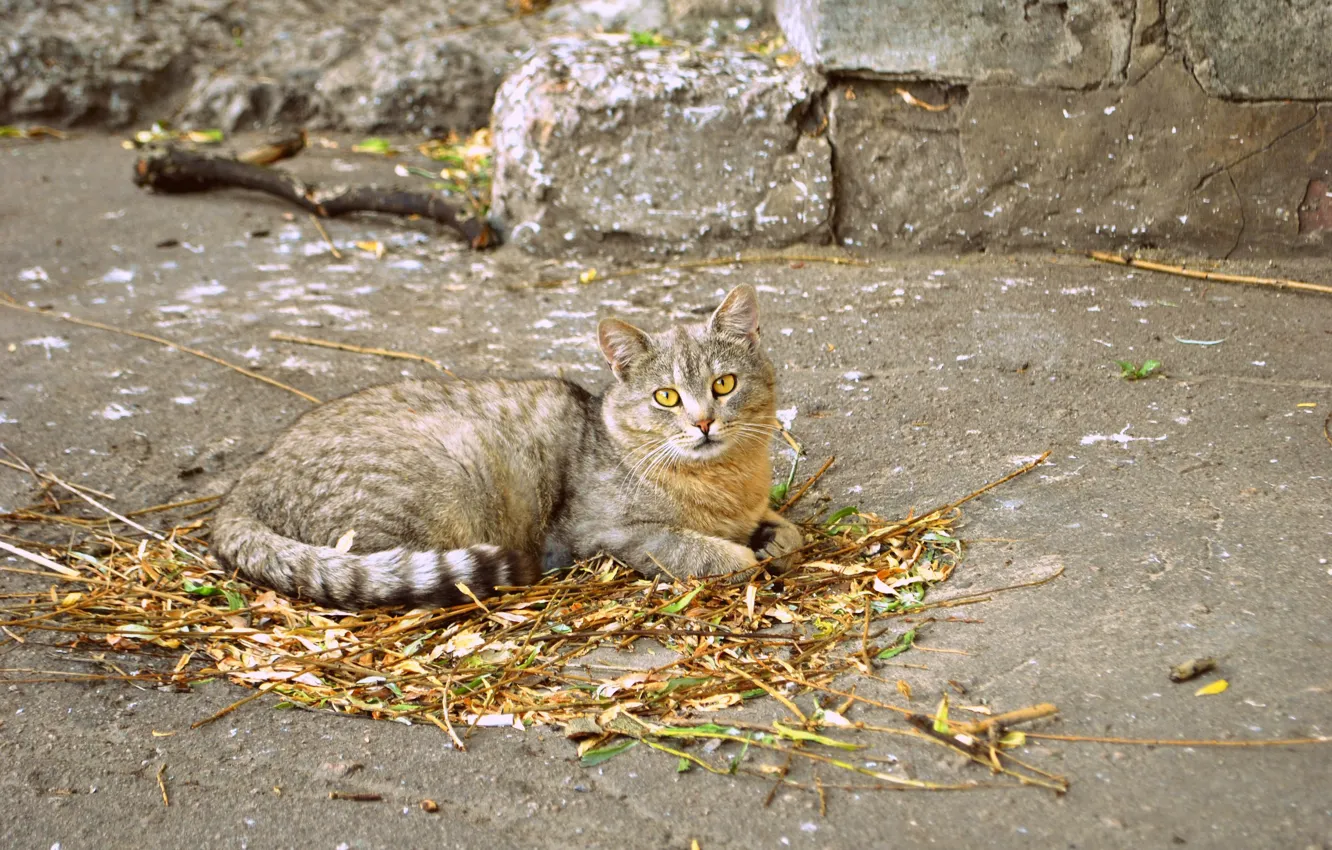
x=48, y=343
x=195, y=293
x=115, y=411
x=184, y=399
x=787, y=416
x=1122, y=438
x=118, y=276
x=36, y=273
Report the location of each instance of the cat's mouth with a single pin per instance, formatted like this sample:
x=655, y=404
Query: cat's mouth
x=706, y=447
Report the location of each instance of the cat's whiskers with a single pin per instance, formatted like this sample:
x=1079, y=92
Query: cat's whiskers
x=635, y=475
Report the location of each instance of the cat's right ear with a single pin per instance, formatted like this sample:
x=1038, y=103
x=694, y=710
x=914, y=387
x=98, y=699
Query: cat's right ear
x=621, y=343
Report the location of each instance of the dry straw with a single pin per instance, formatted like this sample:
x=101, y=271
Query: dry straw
x=683, y=654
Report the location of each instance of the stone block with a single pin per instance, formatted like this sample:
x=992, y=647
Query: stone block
x=361, y=65
x=1073, y=44
x=1153, y=164
x=86, y=66
x=663, y=148
x=1256, y=51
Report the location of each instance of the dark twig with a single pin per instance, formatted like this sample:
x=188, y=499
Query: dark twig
x=175, y=171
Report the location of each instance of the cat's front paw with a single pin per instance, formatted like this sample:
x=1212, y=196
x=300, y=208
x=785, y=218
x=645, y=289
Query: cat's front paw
x=776, y=538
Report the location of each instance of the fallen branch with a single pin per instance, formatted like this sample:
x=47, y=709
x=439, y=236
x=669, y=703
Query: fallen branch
x=1217, y=277
x=1169, y=742
x=175, y=171
x=74, y=320
x=282, y=336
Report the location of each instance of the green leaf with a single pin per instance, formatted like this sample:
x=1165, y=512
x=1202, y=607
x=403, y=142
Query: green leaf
x=592, y=758
x=794, y=734
x=941, y=716
x=682, y=682
x=1126, y=369
x=1148, y=368
x=849, y=510
x=561, y=628
x=10, y=132
x=683, y=765
x=194, y=588
x=777, y=494
x=646, y=39
x=679, y=604
x=752, y=693
x=902, y=645
x=235, y=601
x=374, y=144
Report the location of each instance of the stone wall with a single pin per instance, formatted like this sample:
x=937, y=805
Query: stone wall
x=1196, y=125
x=1200, y=125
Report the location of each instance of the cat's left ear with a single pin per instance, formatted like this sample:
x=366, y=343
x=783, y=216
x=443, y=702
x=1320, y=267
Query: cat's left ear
x=737, y=315
x=621, y=343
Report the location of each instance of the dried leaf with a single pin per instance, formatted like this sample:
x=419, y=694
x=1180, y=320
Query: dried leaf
x=941, y=716
x=344, y=543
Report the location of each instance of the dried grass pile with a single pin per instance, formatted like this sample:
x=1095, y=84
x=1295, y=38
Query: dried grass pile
x=522, y=659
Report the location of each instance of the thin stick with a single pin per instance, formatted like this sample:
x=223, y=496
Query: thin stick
x=804, y=487
x=22, y=466
x=1008, y=718
x=447, y=727
x=738, y=259
x=939, y=649
x=131, y=523
x=224, y=712
x=170, y=505
x=772, y=692
x=358, y=349
x=359, y=798
x=66, y=317
x=337, y=255
x=161, y=783
x=40, y=561
x=1217, y=277
x=1166, y=742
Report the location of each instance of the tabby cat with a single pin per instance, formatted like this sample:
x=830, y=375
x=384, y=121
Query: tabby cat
x=396, y=494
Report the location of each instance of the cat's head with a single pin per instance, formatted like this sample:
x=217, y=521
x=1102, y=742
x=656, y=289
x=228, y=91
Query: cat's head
x=694, y=392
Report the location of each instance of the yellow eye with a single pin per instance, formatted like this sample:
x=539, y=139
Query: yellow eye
x=723, y=385
x=667, y=397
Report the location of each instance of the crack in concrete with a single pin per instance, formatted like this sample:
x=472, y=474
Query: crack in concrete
x=1251, y=154
x=1244, y=219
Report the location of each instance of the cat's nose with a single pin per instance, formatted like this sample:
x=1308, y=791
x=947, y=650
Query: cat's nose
x=704, y=425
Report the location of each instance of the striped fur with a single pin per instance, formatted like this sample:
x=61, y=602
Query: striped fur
x=431, y=484
x=397, y=577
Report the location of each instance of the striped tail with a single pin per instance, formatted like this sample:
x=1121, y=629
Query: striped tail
x=397, y=577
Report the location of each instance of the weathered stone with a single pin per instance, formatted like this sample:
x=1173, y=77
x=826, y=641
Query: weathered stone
x=664, y=148
x=898, y=165
x=357, y=64
x=1074, y=44
x=1256, y=51
x=1286, y=186
x=1158, y=163
x=87, y=66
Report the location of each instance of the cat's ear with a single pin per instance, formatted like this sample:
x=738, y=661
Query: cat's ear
x=621, y=343
x=737, y=315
